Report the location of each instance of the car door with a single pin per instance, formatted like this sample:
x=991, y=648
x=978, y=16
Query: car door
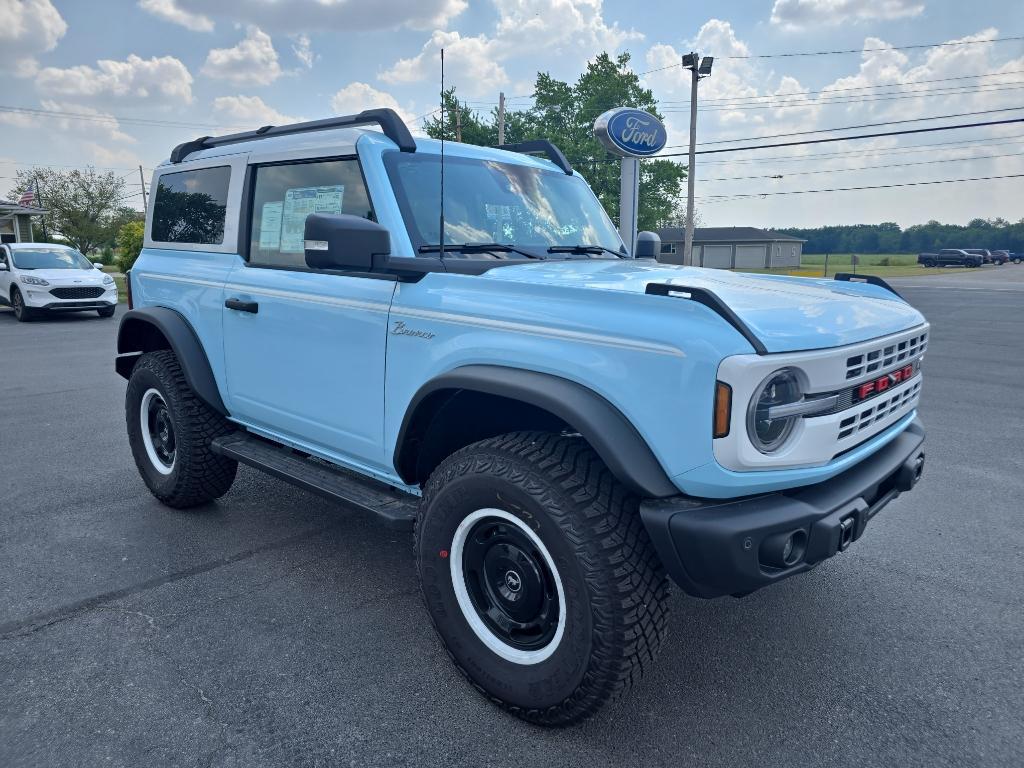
x=6, y=275
x=304, y=350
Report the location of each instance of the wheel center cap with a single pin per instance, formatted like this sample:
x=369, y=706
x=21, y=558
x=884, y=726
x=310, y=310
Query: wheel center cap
x=513, y=581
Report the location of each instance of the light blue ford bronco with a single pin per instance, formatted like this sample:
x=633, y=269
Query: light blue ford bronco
x=564, y=425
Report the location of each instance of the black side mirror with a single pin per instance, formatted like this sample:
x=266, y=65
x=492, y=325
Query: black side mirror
x=341, y=241
x=648, y=245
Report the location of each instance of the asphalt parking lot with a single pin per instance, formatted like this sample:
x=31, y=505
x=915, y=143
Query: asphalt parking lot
x=275, y=628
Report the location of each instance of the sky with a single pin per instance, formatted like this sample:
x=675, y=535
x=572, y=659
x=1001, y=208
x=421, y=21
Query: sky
x=117, y=83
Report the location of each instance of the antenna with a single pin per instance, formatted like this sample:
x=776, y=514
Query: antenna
x=440, y=248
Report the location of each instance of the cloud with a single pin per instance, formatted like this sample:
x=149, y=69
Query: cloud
x=252, y=62
x=469, y=61
x=303, y=49
x=28, y=28
x=99, y=126
x=168, y=10
x=806, y=13
x=541, y=24
x=355, y=97
x=296, y=16
x=559, y=28
x=161, y=79
x=245, y=112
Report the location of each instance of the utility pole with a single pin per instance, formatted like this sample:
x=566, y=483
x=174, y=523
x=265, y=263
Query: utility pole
x=142, y=180
x=698, y=69
x=501, y=118
x=458, y=124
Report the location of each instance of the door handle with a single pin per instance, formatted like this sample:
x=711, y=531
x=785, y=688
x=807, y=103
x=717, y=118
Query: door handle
x=242, y=306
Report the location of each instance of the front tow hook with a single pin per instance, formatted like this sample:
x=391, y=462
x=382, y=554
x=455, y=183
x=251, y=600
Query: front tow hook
x=846, y=528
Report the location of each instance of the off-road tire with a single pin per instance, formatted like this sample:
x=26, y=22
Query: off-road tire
x=198, y=475
x=22, y=313
x=107, y=311
x=615, y=586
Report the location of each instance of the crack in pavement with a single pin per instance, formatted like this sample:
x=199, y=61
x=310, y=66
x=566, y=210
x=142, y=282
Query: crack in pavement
x=40, y=621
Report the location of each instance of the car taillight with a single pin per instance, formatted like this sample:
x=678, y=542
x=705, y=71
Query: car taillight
x=128, y=287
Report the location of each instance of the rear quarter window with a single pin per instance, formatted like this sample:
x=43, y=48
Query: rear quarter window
x=191, y=206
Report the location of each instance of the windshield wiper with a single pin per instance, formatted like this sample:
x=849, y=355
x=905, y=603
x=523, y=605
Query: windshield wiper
x=582, y=248
x=479, y=248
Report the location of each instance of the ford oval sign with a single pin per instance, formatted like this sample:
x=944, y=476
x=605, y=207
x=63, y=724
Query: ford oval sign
x=630, y=132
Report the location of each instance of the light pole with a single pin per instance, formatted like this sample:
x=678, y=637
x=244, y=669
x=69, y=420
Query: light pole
x=698, y=69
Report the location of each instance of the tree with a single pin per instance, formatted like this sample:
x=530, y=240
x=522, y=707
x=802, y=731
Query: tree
x=129, y=242
x=83, y=207
x=565, y=114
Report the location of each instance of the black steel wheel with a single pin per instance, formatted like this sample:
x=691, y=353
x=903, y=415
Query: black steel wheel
x=507, y=586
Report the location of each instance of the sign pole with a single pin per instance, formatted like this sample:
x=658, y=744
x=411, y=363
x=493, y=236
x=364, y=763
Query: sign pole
x=691, y=169
x=629, y=202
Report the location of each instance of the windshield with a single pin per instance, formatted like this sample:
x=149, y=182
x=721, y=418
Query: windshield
x=49, y=258
x=492, y=202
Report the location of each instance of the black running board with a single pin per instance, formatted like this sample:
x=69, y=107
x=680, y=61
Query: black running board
x=395, y=508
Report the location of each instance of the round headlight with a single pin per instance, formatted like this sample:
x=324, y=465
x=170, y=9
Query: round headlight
x=766, y=433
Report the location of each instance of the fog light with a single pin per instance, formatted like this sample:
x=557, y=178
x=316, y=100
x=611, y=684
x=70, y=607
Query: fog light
x=784, y=550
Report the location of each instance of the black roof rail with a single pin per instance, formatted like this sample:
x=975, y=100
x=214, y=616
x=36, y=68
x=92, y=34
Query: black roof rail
x=540, y=145
x=872, y=279
x=387, y=119
x=712, y=301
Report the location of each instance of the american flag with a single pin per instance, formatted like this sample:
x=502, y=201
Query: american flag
x=27, y=197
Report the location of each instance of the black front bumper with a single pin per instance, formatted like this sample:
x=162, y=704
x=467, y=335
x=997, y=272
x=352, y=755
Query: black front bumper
x=713, y=547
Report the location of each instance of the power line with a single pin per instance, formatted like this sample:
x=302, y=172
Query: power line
x=819, y=141
x=929, y=147
x=716, y=198
x=806, y=103
x=876, y=50
x=851, y=50
x=866, y=167
x=850, y=138
x=854, y=127
x=741, y=99
x=858, y=88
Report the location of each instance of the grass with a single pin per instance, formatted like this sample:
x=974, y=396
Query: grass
x=880, y=264
x=122, y=293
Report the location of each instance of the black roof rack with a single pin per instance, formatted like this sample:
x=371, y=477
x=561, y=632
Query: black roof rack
x=387, y=119
x=540, y=145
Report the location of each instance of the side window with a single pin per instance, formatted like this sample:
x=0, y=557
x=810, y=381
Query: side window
x=190, y=206
x=284, y=195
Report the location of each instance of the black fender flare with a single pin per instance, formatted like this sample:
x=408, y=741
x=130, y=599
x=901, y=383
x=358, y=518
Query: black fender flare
x=613, y=436
x=152, y=328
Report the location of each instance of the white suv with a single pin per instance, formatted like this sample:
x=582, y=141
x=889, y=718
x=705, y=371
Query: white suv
x=36, y=277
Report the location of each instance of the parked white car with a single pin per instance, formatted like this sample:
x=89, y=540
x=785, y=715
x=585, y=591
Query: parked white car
x=41, y=277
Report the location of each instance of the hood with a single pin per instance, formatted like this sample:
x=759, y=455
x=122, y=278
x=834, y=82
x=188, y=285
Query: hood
x=787, y=314
x=67, y=276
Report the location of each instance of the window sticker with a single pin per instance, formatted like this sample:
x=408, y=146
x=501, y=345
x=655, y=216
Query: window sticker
x=270, y=226
x=298, y=204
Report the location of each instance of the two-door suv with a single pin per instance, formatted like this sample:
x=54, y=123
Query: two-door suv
x=563, y=425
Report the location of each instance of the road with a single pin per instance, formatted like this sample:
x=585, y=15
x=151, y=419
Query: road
x=275, y=628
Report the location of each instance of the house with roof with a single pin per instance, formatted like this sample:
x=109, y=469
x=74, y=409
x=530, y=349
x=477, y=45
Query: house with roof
x=16, y=221
x=732, y=247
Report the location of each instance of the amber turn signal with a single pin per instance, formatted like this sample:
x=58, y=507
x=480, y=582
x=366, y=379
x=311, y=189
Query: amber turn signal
x=723, y=408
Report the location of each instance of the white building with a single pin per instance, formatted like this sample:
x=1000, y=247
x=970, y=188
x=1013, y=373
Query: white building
x=732, y=247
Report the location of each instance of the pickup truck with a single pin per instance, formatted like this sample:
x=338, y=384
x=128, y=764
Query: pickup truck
x=950, y=257
x=563, y=427
x=990, y=257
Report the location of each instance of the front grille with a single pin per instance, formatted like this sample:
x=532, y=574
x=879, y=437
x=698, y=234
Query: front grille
x=879, y=408
x=885, y=356
x=83, y=292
